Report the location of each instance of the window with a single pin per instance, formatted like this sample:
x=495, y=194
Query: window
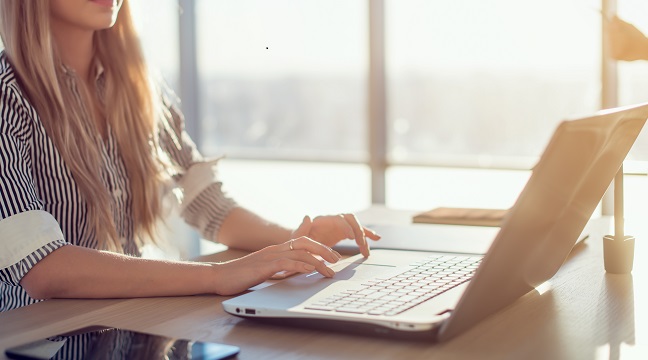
x=284, y=79
x=470, y=84
x=484, y=83
x=158, y=30
x=633, y=76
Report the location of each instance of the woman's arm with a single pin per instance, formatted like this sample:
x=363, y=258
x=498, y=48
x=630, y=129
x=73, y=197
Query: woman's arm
x=78, y=272
x=243, y=229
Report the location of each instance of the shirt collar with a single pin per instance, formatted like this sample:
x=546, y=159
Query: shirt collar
x=97, y=68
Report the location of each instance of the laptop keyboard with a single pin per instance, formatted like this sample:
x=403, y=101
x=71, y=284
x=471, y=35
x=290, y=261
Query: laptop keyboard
x=391, y=296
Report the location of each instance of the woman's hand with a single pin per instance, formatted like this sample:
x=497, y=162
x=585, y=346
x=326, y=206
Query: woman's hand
x=330, y=229
x=294, y=256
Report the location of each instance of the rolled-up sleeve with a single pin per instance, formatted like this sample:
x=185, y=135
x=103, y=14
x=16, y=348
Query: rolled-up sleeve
x=27, y=232
x=204, y=205
x=26, y=239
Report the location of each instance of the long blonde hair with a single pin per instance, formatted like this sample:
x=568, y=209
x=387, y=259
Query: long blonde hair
x=129, y=95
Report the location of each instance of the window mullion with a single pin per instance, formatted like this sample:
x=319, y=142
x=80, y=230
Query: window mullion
x=377, y=101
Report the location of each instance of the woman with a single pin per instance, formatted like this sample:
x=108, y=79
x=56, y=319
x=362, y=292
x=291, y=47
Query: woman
x=88, y=144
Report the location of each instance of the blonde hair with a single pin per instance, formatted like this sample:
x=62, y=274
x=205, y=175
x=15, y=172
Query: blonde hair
x=129, y=95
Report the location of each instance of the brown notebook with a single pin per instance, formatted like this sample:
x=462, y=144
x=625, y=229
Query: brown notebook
x=461, y=216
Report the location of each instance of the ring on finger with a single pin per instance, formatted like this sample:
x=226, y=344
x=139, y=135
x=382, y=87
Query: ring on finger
x=290, y=244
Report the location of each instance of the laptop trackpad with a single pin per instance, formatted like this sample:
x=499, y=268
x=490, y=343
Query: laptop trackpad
x=365, y=270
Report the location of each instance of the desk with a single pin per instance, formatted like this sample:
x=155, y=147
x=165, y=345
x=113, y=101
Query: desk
x=583, y=314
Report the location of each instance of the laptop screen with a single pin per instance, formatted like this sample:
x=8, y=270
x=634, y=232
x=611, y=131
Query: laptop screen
x=559, y=198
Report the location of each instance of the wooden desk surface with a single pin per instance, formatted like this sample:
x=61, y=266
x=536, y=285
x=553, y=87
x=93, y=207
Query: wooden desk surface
x=584, y=313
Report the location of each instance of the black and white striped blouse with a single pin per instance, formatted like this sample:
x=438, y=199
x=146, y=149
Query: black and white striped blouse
x=41, y=208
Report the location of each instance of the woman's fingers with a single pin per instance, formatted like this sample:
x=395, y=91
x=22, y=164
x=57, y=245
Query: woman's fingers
x=293, y=263
x=371, y=234
x=302, y=261
x=311, y=246
x=304, y=228
x=274, y=261
x=330, y=229
x=298, y=256
x=358, y=233
x=283, y=274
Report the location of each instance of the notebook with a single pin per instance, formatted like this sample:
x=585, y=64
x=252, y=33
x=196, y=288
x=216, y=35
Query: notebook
x=444, y=294
x=461, y=216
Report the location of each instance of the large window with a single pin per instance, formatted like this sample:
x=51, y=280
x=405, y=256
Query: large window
x=283, y=79
x=483, y=83
x=469, y=84
x=158, y=29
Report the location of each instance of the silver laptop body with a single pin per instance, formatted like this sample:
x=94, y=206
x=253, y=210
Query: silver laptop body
x=538, y=233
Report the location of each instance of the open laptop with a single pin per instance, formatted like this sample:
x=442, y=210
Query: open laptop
x=444, y=294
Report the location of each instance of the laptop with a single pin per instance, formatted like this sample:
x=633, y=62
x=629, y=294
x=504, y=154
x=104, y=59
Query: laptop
x=435, y=296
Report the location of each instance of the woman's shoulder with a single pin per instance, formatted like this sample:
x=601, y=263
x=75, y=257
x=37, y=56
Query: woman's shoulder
x=7, y=74
x=14, y=106
x=10, y=89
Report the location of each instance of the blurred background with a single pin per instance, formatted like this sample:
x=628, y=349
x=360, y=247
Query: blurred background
x=330, y=106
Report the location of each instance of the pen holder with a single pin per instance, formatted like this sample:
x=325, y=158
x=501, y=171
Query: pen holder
x=618, y=254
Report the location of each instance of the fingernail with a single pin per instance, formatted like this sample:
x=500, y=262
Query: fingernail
x=337, y=254
x=330, y=272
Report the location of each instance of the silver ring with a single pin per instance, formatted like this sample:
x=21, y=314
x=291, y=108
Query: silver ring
x=290, y=244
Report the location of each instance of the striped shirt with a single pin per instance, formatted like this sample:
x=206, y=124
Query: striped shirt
x=41, y=208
